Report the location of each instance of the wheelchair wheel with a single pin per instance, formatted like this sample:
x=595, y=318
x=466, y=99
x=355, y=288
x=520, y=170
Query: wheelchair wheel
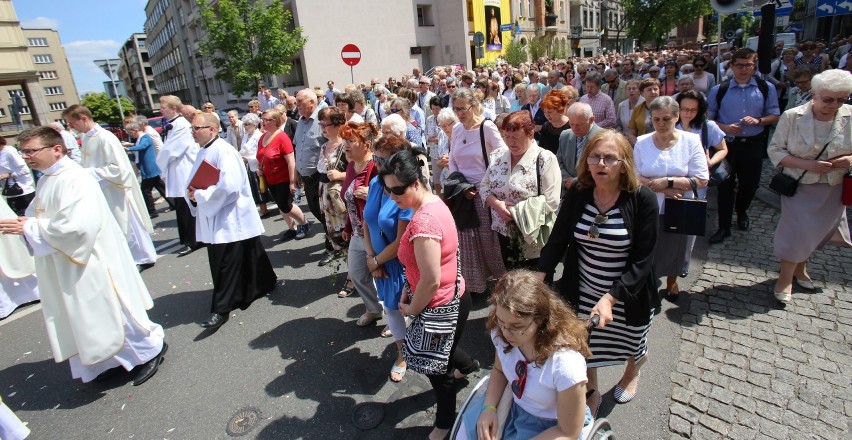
x=601, y=430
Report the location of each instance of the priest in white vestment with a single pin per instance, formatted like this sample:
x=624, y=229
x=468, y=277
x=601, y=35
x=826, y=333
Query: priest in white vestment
x=175, y=160
x=11, y=427
x=93, y=299
x=227, y=221
x=105, y=159
x=18, y=283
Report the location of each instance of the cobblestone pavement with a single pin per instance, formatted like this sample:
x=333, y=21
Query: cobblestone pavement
x=750, y=368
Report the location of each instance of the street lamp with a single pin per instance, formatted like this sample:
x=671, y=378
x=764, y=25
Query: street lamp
x=200, y=62
x=110, y=68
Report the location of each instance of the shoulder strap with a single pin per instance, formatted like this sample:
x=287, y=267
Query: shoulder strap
x=723, y=89
x=816, y=158
x=704, y=134
x=482, y=140
x=538, y=172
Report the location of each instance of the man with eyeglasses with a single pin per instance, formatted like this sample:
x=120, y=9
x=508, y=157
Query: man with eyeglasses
x=105, y=159
x=534, y=107
x=226, y=219
x=452, y=86
x=269, y=102
x=743, y=112
x=614, y=87
x=175, y=160
x=307, y=144
x=424, y=95
x=602, y=105
x=95, y=302
x=627, y=70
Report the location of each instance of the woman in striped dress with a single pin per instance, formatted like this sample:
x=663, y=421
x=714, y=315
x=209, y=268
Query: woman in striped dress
x=605, y=235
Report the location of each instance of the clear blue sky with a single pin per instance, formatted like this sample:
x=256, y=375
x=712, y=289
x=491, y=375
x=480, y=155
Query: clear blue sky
x=89, y=29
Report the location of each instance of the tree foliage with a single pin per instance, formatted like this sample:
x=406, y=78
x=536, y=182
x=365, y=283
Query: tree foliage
x=247, y=40
x=104, y=108
x=538, y=48
x=515, y=53
x=654, y=18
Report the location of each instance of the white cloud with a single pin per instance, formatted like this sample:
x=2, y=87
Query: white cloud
x=81, y=55
x=41, y=23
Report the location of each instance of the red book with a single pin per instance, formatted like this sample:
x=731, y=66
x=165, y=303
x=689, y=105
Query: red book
x=206, y=176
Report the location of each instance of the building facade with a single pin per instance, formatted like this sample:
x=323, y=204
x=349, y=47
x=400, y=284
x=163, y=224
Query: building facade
x=540, y=19
x=136, y=74
x=598, y=27
x=35, y=77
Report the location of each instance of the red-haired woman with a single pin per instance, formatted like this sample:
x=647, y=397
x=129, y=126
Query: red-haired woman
x=555, y=107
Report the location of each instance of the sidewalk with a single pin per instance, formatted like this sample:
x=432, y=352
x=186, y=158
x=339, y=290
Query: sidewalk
x=749, y=368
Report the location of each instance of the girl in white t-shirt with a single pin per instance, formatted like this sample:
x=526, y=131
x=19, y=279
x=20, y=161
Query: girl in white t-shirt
x=540, y=353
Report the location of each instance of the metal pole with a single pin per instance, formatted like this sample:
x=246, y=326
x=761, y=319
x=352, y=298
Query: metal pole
x=719, y=51
x=117, y=98
x=352, y=74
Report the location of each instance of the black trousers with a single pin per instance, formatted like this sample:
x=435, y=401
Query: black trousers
x=745, y=155
x=241, y=273
x=148, y=185
x=445, y=384
x=19, y=204
x=185, y=222
x=310, y=185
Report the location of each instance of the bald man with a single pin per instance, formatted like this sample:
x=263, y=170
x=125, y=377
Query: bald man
x=307, y=143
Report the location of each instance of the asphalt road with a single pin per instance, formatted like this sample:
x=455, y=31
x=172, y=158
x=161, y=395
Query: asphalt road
x=295, y=357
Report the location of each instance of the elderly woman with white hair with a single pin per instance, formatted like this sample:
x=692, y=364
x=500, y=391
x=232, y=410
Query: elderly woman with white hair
x=248, y=151
x=441, y=156
x=402, y=107
x=813, y=144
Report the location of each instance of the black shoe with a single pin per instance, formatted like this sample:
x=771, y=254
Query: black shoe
x=186, y=250
x=149, y=368
x=328, y=257
x=266, y=214
x=289, y=235
x=215, y=321
x=302, y=230
x=743, y=222
x=153, y=216
x=108, y=374
x=144, y=267
x=720, y=235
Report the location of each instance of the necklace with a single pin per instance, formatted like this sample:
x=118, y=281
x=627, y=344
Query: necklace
x=604, y=207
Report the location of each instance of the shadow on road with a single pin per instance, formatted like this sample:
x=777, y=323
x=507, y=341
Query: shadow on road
x=46, y=385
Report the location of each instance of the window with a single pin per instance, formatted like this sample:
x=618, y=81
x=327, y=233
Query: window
x=424, y=15
x=2, y=113
x=42, y=59
x=18, y=92
x=531, y=9
x=585, y=18
x=25, y=110
x=37, y=42
x=53, y=91
x=47, y=74
x=56, y=106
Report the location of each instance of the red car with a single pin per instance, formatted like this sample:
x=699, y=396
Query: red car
x=157, y=123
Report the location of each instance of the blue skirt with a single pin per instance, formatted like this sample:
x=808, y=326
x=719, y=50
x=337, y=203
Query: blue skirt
x=521, y=425
x=390, y=289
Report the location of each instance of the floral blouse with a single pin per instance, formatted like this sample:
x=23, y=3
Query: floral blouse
x=520, y=183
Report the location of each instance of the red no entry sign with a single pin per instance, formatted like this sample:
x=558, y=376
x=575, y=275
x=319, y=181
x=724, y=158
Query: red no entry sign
x=350, y=54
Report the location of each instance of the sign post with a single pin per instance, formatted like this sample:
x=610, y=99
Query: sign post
x=351, y=56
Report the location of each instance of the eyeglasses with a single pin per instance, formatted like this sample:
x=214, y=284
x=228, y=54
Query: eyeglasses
x=396, y=190
x=461, y=109
x=451, y=86
x=520, y=383
x=743, y=66
x=395, y=110
x=30, y=152
x=326, y=124
x=267, y=119
x=208, y=108
x=594, y=232
x=829, y=100
x=698, y=66
x=607, y=160
x=515, y=331
x=200, y=127
x=688, y=110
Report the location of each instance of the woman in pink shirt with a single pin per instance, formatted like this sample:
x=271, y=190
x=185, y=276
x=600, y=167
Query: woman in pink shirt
x=434, y=288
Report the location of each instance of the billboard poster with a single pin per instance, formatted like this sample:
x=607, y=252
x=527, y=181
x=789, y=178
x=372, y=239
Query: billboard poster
x=493, y=35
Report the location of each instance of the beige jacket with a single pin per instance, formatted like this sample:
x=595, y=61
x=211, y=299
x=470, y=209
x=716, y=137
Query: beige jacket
x=794, y=135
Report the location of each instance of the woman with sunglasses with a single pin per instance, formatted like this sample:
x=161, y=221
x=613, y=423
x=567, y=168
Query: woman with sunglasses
x=402, y=107
x=248, y=151
x=209, y=108
x=605, y=234
x=358, y=148
x=669, y=161
x=540, y=353
x=385, y=222
x=704, y=80
x=814, y=215
x=434, y=294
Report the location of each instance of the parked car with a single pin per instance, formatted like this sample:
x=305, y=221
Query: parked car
x=117, y=131
x=157, y=123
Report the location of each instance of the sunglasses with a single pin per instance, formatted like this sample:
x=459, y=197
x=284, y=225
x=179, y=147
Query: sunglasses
x=396, y=190
x=200, y=127
x=594, y=231
x=520, y=383
x=461, y=109
x=381, y=161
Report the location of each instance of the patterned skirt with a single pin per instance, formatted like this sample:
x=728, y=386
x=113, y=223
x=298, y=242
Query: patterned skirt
x=481, y=258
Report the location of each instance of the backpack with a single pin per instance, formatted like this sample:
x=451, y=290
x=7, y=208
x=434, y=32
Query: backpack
x=723, y=89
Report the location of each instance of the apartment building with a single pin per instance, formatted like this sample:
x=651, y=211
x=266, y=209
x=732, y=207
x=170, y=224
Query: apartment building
x=136, y=73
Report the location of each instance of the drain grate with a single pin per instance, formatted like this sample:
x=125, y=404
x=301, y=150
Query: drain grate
x=242, y=422
x=368, y=415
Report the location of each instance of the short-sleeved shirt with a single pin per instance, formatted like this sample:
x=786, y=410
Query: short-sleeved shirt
x=271, y=158
x=714, y=134
x=563, y=370
x=685, y=159
x=433, y=220
x=741, y=101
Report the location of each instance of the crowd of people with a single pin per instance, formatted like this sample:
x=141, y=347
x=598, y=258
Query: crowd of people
x=436, y=189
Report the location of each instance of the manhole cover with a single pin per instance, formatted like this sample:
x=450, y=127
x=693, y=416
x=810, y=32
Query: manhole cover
x=242, y=422
x=368, y=415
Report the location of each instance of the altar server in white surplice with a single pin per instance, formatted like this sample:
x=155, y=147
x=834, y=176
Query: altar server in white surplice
x=17, y=271
x=11, y=427
x=93, y=299
x=105, y=159
x=227, y=221
x=175, y=160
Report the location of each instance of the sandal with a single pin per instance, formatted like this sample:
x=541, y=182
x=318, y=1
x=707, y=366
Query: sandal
x=622, y=395
x=398, y=369
x=347, y=290
x=673, y=293
x=368, y=318
x=386, y=332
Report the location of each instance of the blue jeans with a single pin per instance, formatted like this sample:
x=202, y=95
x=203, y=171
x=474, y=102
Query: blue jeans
x=523, y=425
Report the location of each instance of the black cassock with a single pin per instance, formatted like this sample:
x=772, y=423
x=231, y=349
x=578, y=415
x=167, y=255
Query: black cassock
x=241, y=274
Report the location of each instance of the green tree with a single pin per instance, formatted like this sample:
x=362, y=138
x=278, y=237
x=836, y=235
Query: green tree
x=659, y=17
x=247, y=40
x=515, y=53
x=538, y=48
x=104, y=108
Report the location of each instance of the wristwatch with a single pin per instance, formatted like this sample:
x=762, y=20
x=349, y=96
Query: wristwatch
x=671, y=182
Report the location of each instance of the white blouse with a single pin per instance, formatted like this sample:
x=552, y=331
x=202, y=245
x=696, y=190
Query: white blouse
x=685, y=159
x=248, y=149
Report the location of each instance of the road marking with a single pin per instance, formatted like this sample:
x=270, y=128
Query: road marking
x=16, y=316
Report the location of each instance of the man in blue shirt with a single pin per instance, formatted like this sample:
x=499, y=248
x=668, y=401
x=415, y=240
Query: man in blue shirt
x=743, y=115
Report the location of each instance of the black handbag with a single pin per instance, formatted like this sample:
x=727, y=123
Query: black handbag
x=721, y=172
x=786, y=186
x=686, y=216
x=11, y=188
